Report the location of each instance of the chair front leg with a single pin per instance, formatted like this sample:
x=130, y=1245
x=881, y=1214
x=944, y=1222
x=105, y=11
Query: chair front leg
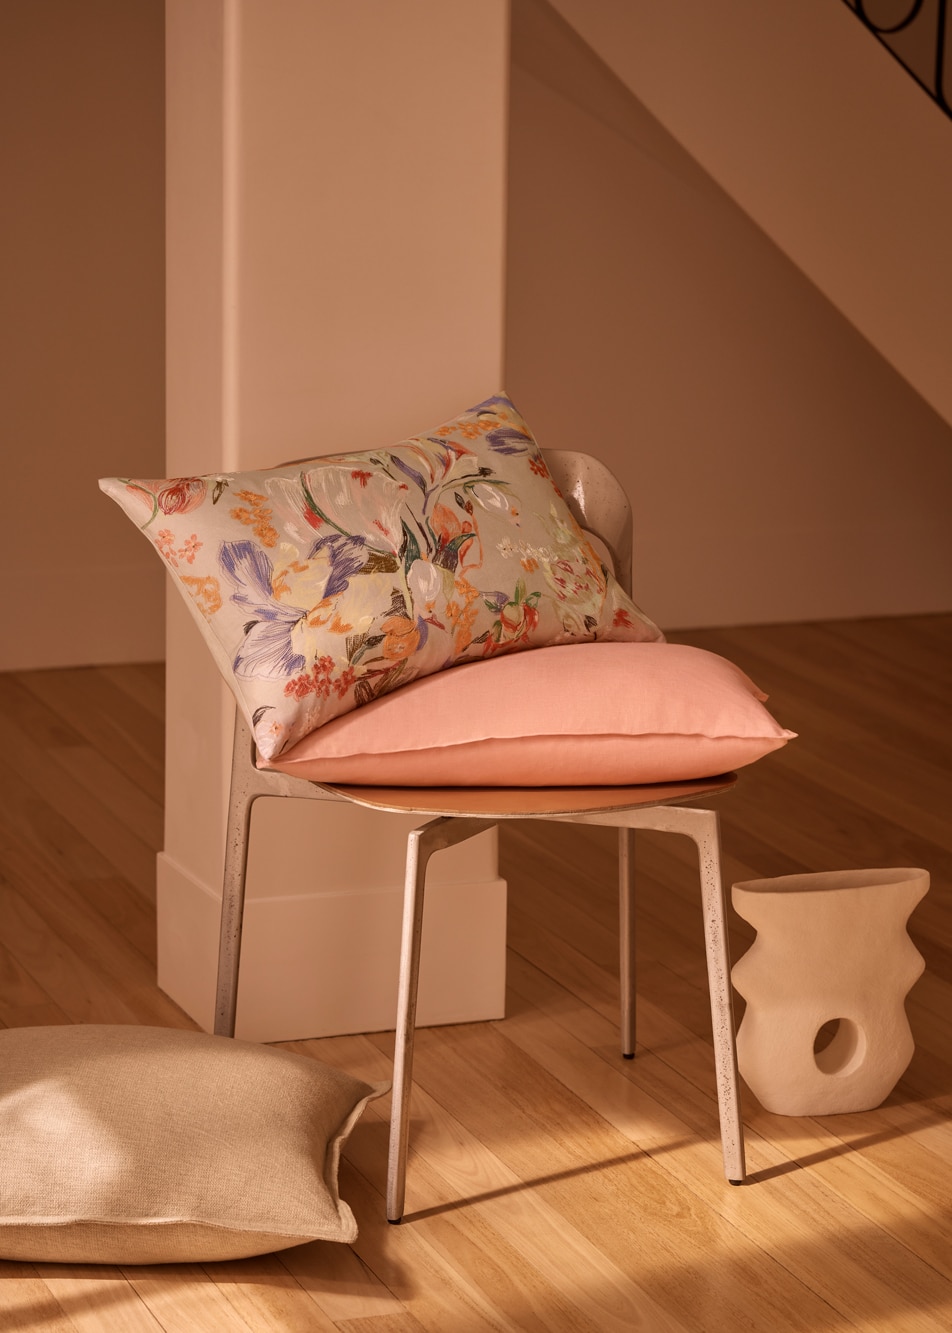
x=232, y=909
x=421, y=844
x=706, y=835
x=626, y=938
x=248, y=782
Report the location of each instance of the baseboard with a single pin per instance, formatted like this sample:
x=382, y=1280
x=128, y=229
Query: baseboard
x=319, y=965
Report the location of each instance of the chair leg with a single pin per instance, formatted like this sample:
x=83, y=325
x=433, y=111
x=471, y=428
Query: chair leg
x=714, y=904
x=626, y=936
x=232, y=909
x=421, y=844
x=413, y=892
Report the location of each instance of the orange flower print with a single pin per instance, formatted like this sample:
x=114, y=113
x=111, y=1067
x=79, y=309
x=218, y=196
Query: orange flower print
x=537, y=464
x=622, y=618
x=190, y=549
x=402, y=638
x=456, y=536
x=361, y=477
x=316, y=681
x=279, y=582
x=315, y=619
x=447, y=524
x=205, y=591
x=257, y=516
x=462, y=615
x=165, y=545
x=344, y=681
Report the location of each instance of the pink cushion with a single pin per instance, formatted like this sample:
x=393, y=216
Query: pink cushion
x=575, y=715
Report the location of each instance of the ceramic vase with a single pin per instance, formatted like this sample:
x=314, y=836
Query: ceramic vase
x=831, y=956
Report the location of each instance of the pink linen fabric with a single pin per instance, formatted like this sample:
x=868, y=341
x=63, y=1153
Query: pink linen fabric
x=573, y=715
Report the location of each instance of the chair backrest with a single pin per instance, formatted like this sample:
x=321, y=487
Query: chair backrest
x=598, y=502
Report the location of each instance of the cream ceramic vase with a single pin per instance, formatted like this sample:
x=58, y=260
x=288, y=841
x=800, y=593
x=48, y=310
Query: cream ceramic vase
x=831, y=948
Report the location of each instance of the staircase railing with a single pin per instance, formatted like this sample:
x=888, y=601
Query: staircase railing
x=917, y=34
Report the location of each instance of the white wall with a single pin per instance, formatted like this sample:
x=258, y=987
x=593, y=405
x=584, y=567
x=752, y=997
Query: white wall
x=81, y=315
x=822, y=138
x=780, y=468
x=770, y=410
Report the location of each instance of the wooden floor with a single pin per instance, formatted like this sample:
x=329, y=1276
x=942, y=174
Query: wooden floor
x=552, y=1186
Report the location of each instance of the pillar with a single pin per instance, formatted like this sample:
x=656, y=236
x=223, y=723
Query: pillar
x=335, y=213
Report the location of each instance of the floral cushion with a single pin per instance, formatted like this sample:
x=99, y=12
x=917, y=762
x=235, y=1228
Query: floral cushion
x=325, y=584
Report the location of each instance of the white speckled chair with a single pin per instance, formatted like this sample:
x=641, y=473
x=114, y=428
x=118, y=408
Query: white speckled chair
x=455, y=814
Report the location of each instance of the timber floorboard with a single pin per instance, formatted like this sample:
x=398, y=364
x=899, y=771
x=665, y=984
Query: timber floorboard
x=552, y=1186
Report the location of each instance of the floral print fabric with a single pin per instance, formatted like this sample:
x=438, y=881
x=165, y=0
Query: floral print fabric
x=326, y=584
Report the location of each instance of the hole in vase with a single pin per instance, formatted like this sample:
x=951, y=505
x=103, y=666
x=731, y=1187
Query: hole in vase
x=839, y=1047
x=826, y=1034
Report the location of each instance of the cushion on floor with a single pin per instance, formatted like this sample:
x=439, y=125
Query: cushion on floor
x=140, y=1145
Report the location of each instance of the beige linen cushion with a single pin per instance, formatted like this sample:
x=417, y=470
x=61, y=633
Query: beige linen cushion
x=144, y=1145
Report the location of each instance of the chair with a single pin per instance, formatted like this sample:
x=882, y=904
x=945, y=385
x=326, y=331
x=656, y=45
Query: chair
x=454, y=815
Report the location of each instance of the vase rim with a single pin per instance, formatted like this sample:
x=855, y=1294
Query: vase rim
x=817, y=881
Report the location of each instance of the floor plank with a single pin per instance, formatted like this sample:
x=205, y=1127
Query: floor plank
x=552, y=1186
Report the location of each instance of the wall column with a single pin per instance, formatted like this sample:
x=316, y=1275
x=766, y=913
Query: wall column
x=336, y=183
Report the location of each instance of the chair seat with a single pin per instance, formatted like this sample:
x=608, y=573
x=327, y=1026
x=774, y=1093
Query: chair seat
x=526, y=803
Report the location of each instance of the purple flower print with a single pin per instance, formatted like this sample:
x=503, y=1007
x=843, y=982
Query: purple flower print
x=266, y=649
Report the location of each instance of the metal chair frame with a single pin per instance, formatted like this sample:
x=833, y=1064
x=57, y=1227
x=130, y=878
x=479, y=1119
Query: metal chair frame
x=599, y=504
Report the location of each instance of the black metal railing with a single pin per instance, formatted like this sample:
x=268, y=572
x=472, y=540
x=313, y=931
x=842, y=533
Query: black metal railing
x=917, y=34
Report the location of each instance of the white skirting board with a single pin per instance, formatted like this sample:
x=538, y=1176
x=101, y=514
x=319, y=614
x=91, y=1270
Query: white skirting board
x=323, y=964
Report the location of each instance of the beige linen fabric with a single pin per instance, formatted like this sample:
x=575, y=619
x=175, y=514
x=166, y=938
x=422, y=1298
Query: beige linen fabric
x=148, y=1145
